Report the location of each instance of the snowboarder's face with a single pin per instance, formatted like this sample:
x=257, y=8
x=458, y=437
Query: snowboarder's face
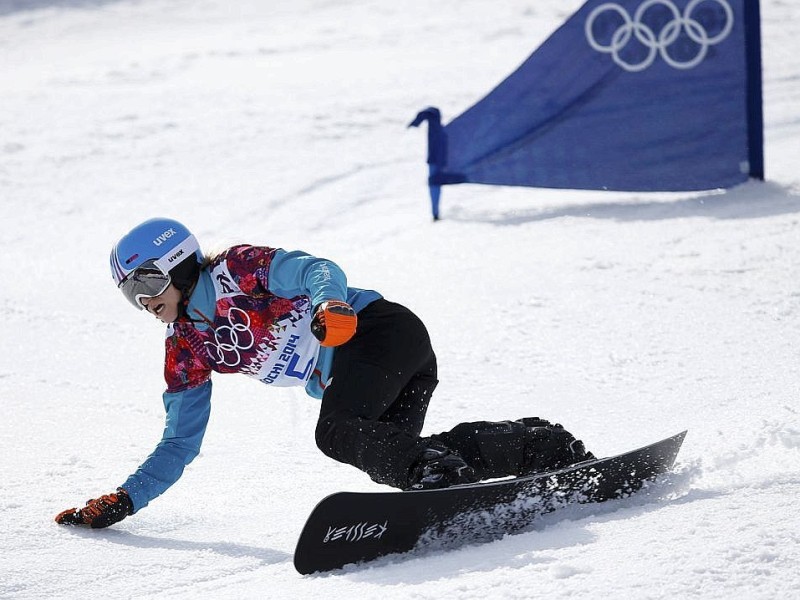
x=165, y=306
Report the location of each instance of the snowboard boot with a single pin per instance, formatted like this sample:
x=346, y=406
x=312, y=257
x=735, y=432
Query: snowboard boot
x=549, y=446
x=438, y=467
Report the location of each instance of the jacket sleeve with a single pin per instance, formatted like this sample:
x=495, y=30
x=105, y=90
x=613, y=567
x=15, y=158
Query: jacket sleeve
x=187, y=417
x=299, y=274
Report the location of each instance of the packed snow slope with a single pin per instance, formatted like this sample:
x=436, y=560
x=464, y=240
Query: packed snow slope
x=627, y=317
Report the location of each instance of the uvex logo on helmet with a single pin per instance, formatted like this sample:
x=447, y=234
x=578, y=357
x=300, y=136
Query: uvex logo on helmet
x=164, y=236
x=176, y=256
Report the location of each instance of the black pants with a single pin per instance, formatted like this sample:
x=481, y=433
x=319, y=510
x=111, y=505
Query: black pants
x=374, y=408
x=382, y=380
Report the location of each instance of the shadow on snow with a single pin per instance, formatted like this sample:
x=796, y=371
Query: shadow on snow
x=8, y=7
x=266, y=556
x=751, y=200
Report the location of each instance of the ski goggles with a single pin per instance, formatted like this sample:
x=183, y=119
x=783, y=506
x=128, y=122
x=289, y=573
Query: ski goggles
x=145, y=281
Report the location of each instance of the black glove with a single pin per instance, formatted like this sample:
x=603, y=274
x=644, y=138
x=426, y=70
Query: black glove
x=99, y=512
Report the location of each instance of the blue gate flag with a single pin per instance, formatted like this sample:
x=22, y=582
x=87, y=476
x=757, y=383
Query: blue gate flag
x=636, y=95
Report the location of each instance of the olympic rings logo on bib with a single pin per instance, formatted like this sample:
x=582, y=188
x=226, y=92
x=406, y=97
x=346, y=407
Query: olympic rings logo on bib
x=230, y=339
x=634, y=30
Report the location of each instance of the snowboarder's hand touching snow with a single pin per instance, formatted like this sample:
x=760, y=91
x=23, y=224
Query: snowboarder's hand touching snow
x=99, y=512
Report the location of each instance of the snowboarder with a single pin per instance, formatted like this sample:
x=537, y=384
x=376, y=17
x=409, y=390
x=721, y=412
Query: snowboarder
x=289, y=318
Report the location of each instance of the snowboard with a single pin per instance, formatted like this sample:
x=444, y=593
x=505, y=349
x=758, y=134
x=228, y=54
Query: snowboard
x=355, y=527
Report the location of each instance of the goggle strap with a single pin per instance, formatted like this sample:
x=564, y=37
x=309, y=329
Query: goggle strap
x=179, y=253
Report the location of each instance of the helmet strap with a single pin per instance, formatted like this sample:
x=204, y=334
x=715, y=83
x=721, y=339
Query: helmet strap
x=183, y=305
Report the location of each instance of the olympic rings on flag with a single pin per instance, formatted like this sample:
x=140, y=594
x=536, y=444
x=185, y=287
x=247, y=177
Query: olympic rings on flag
x=657, y=43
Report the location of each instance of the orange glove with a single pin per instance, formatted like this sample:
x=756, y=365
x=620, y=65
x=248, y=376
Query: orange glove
x=99, y=512
x=334, y=322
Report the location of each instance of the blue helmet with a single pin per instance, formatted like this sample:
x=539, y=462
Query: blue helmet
x=151, y=256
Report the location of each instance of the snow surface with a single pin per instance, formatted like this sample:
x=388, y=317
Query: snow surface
x=628, y=317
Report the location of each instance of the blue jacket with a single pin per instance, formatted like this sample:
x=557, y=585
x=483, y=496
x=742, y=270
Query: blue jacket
x=249, y=313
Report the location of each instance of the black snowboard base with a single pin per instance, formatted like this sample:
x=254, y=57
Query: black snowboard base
x=353, y=527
